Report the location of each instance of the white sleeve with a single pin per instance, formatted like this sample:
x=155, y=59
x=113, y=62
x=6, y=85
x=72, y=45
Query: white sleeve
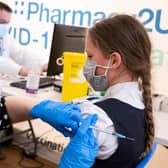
x=107, y=143
x=25, y=56
x=8, y=66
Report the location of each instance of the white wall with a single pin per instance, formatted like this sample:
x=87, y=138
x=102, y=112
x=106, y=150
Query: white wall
x=32, y=24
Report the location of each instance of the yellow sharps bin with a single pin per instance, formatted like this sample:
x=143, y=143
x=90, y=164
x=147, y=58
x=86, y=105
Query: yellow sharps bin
x=74, y=83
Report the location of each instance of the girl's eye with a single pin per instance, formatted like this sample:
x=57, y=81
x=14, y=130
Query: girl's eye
x=89, y=56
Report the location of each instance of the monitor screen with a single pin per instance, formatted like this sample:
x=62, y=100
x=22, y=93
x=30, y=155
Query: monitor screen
x=65, y=38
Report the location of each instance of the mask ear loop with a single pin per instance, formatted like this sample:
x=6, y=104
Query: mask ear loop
x=108, y=64
x=105, y=67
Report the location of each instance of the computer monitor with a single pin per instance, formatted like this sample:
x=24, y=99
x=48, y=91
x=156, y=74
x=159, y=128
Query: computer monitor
x=65, y=38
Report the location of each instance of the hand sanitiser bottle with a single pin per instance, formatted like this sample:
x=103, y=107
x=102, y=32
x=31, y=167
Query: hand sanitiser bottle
x=33, y=78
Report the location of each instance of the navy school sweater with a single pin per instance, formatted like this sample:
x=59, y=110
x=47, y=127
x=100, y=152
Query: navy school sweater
x=130, y=122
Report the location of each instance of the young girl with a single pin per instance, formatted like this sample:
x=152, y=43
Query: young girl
x=119, y=62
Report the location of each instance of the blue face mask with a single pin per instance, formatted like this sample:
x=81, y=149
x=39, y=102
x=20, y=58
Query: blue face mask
x=98, y=82
x=3, y=29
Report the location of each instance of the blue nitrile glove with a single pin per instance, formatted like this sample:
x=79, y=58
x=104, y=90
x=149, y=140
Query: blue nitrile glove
x=59, y=115
x=82, y=149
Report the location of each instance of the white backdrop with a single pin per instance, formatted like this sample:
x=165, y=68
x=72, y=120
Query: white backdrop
x=32, y=24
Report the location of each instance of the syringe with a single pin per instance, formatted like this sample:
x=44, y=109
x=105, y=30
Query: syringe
x=118, y=135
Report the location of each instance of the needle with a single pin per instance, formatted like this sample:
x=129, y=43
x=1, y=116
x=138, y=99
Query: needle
x=115, y=134
x=118, y=135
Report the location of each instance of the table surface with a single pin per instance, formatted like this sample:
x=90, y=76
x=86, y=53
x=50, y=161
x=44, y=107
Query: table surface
x=43, y=93
x=47, y=133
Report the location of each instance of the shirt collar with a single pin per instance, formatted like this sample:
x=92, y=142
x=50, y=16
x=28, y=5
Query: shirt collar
x=127, y=92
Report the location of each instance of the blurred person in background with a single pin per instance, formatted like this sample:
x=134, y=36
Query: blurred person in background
x=15, y=60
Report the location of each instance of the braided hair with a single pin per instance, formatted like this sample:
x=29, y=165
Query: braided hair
x=126, y=35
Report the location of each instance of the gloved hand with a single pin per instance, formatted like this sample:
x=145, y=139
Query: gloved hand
x=82, y=149
x=59, y=115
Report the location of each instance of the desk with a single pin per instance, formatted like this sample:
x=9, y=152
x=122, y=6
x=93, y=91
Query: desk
x=45, y=93
x=50, y=138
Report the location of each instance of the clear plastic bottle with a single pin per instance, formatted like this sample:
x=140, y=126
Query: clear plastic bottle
x=33, y=78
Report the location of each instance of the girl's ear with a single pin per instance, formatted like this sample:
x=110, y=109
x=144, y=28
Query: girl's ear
x=115, y=60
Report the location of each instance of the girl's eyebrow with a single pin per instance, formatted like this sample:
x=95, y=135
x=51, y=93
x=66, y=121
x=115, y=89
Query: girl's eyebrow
x=2, y=21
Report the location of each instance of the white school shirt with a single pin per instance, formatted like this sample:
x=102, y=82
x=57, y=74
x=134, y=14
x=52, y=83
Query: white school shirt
x=127, y=92
x=14, y=57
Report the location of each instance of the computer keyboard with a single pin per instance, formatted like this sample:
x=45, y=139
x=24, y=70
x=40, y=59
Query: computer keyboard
x=44, y=82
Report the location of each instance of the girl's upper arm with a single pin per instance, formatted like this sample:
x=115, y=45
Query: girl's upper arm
x=107, y=143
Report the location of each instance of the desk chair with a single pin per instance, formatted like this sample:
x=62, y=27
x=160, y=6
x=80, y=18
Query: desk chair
x=147, y=158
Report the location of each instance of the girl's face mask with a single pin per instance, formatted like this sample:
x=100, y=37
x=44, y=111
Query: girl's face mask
x=98, y=82
x=3, y=29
